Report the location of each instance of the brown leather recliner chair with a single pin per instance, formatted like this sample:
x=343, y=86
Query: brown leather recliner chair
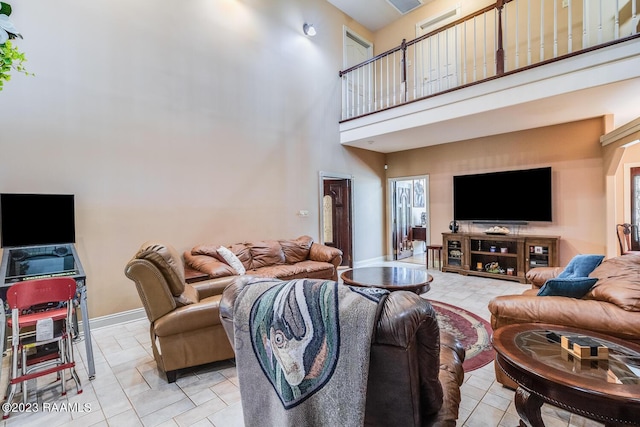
x=415, y=370
x=184, y=320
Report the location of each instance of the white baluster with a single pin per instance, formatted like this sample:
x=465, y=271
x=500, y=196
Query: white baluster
x=529, y=32
x=616, y=28
x=634, y=17
x=541, y=31
x=570, y=29
x=517, y=43
x=600, y=23
x=484, y=53
x=555, y=28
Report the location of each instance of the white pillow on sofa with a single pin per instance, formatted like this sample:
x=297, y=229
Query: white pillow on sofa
x=232, y=260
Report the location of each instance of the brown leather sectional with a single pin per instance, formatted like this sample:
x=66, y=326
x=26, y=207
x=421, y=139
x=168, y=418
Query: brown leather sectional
x=184, y=317
x=415, y=370
x=611, y=307
x=279, y=259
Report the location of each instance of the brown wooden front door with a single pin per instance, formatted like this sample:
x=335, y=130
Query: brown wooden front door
x=337, y=192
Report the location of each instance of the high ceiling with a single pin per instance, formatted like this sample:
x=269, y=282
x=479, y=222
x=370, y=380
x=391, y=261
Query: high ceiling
x=373, y=14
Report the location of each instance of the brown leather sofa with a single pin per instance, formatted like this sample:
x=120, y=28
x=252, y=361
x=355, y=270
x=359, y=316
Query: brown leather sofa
x=184, y=319
x=280, y=259
x=415, y=370
x=611, y=307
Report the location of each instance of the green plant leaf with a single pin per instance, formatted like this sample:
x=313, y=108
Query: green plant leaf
x=11, y=59
x=5, y=9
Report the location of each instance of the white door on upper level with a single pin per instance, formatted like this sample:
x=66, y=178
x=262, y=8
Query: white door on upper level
x=359, y=83
x=439, y=54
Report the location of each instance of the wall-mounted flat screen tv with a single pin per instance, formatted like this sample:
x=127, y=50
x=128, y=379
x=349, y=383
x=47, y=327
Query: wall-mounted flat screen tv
x=507, y=196
x=37, y=219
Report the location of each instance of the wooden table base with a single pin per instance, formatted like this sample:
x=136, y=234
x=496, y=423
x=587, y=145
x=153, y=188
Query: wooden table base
x=528, y=406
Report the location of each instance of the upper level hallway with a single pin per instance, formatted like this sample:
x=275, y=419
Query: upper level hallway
x=586, y=64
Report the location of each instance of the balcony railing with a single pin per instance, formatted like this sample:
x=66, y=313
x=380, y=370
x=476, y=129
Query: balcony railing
x=508, y=36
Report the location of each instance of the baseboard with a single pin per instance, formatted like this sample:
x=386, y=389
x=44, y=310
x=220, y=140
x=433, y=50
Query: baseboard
x=139, y=313
x=116, y=318
x=369, y=261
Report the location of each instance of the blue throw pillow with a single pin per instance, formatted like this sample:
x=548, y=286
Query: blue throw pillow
x=581, y=266
x=574, y=287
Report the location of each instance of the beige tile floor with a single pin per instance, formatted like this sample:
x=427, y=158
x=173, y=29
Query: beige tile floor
x=129, y=391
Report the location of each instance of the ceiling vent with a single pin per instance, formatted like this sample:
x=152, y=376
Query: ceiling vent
x=405, y=6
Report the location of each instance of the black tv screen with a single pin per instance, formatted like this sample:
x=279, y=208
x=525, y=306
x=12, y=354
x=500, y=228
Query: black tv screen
x=509, y=196
x=37, y=219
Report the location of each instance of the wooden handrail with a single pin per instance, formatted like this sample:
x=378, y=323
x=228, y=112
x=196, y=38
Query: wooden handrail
x=406, y=44
x=453, y=24
x=519, y=70
x=438, y=62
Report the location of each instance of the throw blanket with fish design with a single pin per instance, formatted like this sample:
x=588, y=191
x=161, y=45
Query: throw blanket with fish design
x=302, y=351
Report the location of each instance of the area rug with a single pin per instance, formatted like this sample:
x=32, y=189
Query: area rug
x=473, y=332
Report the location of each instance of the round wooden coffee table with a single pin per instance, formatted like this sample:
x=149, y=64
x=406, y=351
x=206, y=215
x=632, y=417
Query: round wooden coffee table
x=390, y=278
x=607, y=391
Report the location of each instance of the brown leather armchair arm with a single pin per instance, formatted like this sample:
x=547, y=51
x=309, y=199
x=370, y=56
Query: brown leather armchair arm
x=407, y=331
x=189, y=318
x=319, y=252
x=538, y=275
x=209, y=265
x=212, y=287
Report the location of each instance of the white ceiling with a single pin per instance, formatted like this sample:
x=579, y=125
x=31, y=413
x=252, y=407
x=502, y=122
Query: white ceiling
x=373, y=14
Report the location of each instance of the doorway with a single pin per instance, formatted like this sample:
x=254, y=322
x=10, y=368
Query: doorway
x=438, y=55
x=336, y=230
x=356, y=50
x=409, y=218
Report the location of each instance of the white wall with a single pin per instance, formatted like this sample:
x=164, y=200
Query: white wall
x=190, y=122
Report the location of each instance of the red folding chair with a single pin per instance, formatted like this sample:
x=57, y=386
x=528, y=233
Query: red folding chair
x=32, y=303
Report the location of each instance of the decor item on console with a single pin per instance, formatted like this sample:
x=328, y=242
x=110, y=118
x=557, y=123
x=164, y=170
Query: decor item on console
x=498, y=230
x=494, y=267
x=281, y=259
x=414, y=368
x=454, y=227
x=611, y=306
x=10, y=57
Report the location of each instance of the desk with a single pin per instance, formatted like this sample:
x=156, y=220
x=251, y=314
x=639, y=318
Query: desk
x=37, y=262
